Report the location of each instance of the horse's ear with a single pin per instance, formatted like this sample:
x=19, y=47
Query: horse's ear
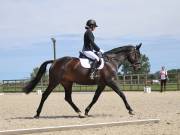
x=138, y=46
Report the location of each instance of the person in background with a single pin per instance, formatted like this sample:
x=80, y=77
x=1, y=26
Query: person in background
x=163, y=78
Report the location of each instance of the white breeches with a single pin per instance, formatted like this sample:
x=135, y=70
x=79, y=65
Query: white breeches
x=91, y=55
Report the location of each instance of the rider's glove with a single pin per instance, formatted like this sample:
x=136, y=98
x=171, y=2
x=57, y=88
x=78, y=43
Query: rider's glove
x=102, y=51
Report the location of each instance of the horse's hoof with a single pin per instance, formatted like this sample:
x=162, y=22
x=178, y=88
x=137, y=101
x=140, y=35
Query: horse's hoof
x=81, y=115
x=131, y=113
x=36, y=117
x=86, y=115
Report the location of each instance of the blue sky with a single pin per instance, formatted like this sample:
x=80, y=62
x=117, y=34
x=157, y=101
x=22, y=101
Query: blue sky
x=26, y=27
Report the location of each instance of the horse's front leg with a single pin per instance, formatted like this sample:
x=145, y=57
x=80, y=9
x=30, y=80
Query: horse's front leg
x=112, y=84
x=95, y=98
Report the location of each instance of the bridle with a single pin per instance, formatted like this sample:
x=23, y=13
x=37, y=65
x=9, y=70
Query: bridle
x=133, y=64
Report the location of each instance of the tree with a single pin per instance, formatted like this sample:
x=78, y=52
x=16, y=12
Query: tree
x=145, y=66
x=173, y=70
x=34, y=73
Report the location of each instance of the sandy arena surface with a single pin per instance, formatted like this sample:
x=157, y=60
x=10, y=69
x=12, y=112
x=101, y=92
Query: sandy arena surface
x=17, y=111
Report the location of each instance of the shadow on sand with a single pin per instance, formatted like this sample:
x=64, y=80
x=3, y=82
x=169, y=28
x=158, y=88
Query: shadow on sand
x=48, y=117
x=63, y=117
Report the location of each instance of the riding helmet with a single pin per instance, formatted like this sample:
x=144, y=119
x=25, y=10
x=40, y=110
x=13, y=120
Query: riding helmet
x=91, y=23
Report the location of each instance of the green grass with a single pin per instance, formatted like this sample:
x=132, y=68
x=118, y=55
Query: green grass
x=85, y=88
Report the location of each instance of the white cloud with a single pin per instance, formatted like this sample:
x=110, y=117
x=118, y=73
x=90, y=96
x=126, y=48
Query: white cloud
x=32, y=19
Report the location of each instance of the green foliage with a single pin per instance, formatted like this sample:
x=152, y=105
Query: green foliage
x=173, y=70
x=35, y=71
x=145, y=66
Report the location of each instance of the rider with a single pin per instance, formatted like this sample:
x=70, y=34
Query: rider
x=90, y=46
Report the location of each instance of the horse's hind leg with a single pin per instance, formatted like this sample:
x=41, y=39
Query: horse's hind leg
x=46, y=93
x=95, y=98
x=68, y=92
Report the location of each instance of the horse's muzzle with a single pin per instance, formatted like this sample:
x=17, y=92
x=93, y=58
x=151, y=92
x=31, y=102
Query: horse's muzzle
x=136, y=66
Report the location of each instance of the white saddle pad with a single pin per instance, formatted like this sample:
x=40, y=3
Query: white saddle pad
x=86, y=64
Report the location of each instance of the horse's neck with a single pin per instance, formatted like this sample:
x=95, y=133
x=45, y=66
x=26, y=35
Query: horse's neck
x=117, y=60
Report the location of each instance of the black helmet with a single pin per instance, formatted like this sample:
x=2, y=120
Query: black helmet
x=91, y=23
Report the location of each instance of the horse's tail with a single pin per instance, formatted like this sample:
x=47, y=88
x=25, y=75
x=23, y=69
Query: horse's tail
x=31, y=85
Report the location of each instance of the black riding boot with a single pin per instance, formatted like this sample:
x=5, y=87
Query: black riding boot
x=93, y=69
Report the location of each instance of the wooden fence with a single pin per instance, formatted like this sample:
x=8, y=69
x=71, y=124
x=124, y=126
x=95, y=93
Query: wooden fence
x=134, y=82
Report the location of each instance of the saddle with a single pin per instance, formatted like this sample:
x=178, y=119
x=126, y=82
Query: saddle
x=86, y=61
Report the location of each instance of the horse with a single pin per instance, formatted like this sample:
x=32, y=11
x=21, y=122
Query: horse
x=68, y=70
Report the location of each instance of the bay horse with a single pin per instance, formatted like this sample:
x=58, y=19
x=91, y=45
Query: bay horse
x=67, y=70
